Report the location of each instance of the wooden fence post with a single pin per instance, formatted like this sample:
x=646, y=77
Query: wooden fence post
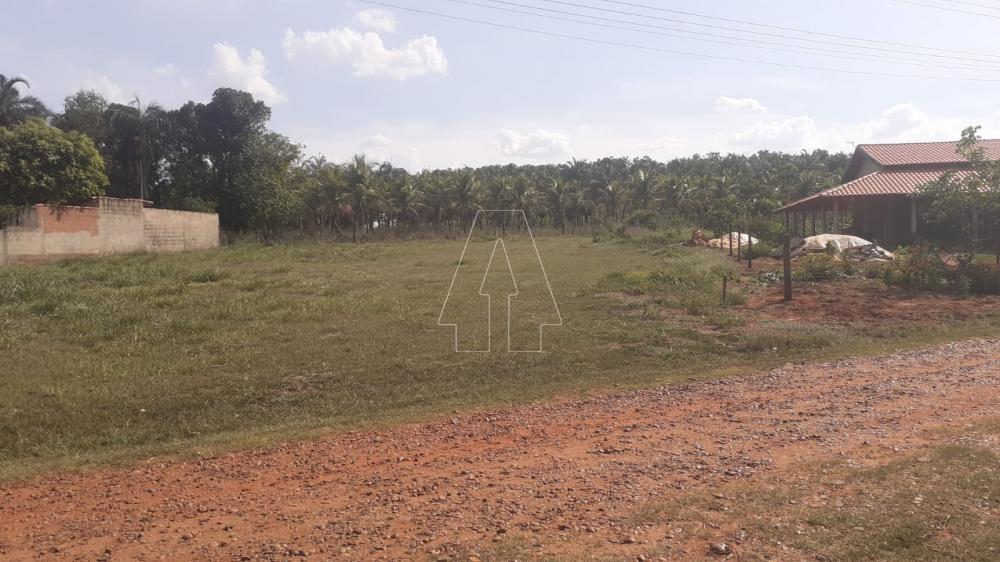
x=786, y=242
x=749, y=251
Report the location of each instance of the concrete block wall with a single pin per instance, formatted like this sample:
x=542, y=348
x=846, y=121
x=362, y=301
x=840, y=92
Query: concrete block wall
x=176, y=231
x=120, y=225
x=112, y=226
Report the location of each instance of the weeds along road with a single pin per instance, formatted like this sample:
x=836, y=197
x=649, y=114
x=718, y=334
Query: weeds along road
x=564, y=479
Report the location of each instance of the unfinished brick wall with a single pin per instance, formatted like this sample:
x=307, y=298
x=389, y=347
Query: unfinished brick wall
x=176, y=231
x=112, y=226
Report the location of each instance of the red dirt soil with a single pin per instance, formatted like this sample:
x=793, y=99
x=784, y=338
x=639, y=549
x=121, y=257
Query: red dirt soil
x=567, y=477
x=854, y=302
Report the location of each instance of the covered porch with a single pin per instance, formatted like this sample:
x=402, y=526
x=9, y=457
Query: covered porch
x=887, y=220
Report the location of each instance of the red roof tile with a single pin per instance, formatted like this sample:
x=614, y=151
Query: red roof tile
x=906, y=154
x=875, y=183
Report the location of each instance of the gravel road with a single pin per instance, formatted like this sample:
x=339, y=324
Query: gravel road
x=562, y=475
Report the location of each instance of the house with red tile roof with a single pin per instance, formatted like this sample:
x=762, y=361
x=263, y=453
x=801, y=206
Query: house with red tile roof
x=878, y=196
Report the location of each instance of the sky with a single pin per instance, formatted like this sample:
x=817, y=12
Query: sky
x=625, y=78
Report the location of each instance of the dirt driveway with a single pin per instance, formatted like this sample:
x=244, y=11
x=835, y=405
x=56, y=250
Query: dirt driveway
x=564, y=478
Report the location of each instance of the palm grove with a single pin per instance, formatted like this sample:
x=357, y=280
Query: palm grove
x=220, y=156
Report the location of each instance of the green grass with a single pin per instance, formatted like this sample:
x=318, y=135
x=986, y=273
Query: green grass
x=108, y=360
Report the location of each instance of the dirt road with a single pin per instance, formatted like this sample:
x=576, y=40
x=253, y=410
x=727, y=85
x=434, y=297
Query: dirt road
x=563, y=477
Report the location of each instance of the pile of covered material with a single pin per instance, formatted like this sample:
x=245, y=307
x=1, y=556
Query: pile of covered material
x=872, y=252
x=851, y=246
x=839, y=243
x=741, y=239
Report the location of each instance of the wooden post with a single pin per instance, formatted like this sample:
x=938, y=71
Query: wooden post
x=913, y=217
x=749, y=251
x=786, y=242
x=836, y=216
x=739, y=246
x=730, y=234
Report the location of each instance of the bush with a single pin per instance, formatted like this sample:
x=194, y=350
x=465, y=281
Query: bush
x=761, y=250
x=644, y=219
x=983, y=278
x=917, y=268
x=816, y=267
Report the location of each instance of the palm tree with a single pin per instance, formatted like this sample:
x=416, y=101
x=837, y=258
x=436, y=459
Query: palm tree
x=644, y=188
x=465, y=193
x=522, y=197
x=326, y=187
x=404, y=201
x=13, y=107
x=142, y=124
x=361, y=194
x=557, y=198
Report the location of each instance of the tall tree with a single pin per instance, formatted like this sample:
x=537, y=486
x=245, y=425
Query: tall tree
x=86, y=111
x=138, y=129
x=970, y=198
x=15, y=108
x=360, y=194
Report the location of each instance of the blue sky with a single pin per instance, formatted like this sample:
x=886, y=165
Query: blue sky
x=422, y=91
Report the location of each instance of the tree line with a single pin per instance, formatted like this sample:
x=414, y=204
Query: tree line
x=221, y=156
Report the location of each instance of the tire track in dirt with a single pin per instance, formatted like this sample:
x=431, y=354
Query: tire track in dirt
x=564, y=475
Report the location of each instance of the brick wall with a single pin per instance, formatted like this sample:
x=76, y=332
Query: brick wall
x=176, y=231
x=113, y=226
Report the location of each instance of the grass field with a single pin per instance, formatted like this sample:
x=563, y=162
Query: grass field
x=112, y=359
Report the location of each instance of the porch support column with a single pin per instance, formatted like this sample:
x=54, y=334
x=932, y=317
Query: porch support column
x=836, y=216
x=913, y=217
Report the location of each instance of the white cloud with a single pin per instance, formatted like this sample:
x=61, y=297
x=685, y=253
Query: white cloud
x=367, y=54
x=539, y=144
x=109, y=89
x=376, y=141
x=793, y=133
x=904, y=122
x=378, y=20
x=410, y=158
x=726, y=103
x=249, y=74
x=165, y=70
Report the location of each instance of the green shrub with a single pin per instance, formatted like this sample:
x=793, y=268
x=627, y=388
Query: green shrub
x=644, y=218
x=917, y=268
x=816, y=267
x=760, y=250
x=983, y=278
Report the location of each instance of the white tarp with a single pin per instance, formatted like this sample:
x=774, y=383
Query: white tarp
x=741, y=239
x=840, y=242
x=858, y=247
